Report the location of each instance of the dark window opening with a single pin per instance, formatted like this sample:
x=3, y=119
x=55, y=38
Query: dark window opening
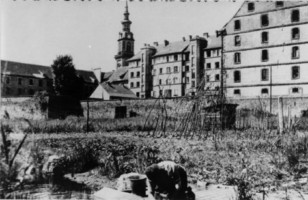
x=138, y=84
x=30, y=82
x=295, y=34
x=237, y=58
x=295, y=90
x=237, y=76
x=295, y=16
x=264, y=91
x=237, y=92
x=295, y=52
x=40, y=83
x=295, y=72
x=279, y=4
x=264, y=55
x=237, y=25
x=19, y=81
x=176, y=57
x=208, y=53
x=264, y=36
x=264, y=20
x=251, y=6
x=208, y=65
x=217, y=77
x=131, y=84
x=137, y=94
x=216, y=65
x=160, y=70
x=264, y=74
x=237, y=40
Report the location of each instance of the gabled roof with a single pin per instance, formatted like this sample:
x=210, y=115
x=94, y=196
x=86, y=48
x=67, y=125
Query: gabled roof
x=120, y=74
x=214, y=42
x=106, y=75
x=118, y=90
x=174, y=47
x=136, y=57
x=23, y=69
x=38, y=71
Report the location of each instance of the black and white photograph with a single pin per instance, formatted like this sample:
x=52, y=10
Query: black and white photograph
x=154, y=99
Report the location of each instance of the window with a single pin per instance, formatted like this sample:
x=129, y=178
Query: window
x=295, y=16
x=31, y=92
x=279, y=4
x=187, y=68
x=216, y=65
x=160, y=81
x=142, y=78
x=264, y=91
x=138, y=74
x=187, y=80
x=237, y=40
x=237, y=76
x=251, y=6
x=208, y=78
x=168, y=70
x=19, y=81
x=175, y=69
x=264, y=37
x=264, y=20
x=193, y=84
x=237, y=58
x=142, y=68
x=237, y=25
x=175, y=57
x=237, y=92
x=8, y=90
x=295, y=90
x=160, y=70
x=7, y=80
x=175, y=80
x=168, y=81
x=137, y=94
x=208, y=53
x=167, y=58
x=131, y=84
x=295, y=33
x=19, y=91
x=132, y=74
x=264, y=74
x=193, y=73
x=160, y=92
x=40, y=83
x=264, y=55
x=208, y=65
x=217, y=77
x=30, y=82
x=142, y=88
x=295, y=72
x=295, y=52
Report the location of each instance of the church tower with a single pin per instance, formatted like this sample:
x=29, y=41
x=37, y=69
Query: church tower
x=125, y=41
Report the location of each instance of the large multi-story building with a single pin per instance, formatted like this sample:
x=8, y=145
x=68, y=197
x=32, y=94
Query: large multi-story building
x=264, y=50
x=171, y=69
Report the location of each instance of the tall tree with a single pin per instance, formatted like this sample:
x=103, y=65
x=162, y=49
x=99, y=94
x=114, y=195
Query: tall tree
x=65, y=79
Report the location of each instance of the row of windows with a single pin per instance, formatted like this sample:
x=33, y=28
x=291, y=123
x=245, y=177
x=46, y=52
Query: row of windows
x=295, y=35
x=265, y=55
x=217, y=77
x=175, y=80
x=265, y=91
x=295, y=74
x=20, y=91
x=22, y=81
x=137, y=84
x=217, y=65
x=173, y=58
x=168, y=70
x=132, y=75
x=295, y=17
x=212, y=53
x=251, y=5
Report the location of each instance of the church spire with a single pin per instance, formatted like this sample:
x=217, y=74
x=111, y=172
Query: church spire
x=126, y=41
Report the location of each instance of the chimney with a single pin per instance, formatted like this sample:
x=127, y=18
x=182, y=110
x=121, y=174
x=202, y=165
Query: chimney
x=155, y=43
x=145, y=44
x=206, y=35
x=184, y=39
x=197, y=36
x=166, y=42
x=98, y=74
x=190, y=37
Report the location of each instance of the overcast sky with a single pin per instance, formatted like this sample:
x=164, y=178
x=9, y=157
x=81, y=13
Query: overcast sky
x=37, y=31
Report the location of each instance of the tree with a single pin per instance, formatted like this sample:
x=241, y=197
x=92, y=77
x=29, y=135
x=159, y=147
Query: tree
x=65, y=80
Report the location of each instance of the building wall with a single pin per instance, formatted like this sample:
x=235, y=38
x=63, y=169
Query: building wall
x=279, y=47
x=210, y=67
x=134, y=79
x=18, y=86
x=164, y=80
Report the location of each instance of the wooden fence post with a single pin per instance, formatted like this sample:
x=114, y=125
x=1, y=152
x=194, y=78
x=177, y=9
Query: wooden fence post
x=280, y=114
